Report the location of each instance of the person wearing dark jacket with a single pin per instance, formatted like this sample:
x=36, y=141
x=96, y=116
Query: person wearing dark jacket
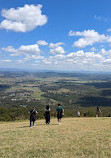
x=33, y=113
x=47, y=114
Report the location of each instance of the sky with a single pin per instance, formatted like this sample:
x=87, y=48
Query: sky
x=64, y=35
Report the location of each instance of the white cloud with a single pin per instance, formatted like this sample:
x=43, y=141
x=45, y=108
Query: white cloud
x=57, y=50
x=76, y=54
x=42, y=43
x=53, y=60
x=23, y=50
x=105, y=53
x=107, y=61
x=81, y=55
x=23, y=19
x=10, y=49
x=75, y=61
x=20, y=61
x=52, y=45
x=106, y=64
x=89, y=38
x=46, y=61
x=93, y=49
x=57, y=59
x=29, y=49
x=34, y=57
x=7, y=60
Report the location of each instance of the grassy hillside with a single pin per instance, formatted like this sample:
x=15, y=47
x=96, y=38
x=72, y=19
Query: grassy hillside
x=74, y=138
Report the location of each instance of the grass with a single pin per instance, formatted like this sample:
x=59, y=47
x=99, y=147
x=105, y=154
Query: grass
x=74, y=138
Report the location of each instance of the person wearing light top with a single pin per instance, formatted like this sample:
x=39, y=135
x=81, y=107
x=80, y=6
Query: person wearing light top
x=78, y=114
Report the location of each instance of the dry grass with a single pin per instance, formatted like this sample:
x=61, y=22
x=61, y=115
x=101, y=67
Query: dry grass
x=74, y=138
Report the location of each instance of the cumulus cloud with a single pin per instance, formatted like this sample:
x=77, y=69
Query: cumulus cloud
x=89, y=38
x=93, y=49
x=23, y=50
x=57, y=50
x=23, y=19
x=42, y=43
x=81, y=55
x=57, y=59
x=47, y=61
x=29, y=49
x=10, y=49
x=33, y=57
x=52, y=45
x=105, y=53
x=107, y=61
x=75, y=61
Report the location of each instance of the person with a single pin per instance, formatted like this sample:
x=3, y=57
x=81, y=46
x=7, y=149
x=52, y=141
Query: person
x=60, y=113
x=78, y=114
x=47, y=114
x=33, y=113
x=84, y=114
x=98, y=111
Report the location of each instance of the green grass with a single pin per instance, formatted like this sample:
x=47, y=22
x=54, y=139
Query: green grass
x=37, y=94
x=74, y=138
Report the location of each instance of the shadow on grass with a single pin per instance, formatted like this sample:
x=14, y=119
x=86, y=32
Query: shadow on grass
x=24, y=127
x=39, y=125
x=47, y=124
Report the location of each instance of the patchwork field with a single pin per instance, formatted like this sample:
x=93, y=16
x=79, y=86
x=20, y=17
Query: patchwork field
x=83, y=92
x=74, y=138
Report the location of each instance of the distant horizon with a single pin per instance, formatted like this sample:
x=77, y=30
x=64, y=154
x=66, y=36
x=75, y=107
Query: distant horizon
x=52, y=71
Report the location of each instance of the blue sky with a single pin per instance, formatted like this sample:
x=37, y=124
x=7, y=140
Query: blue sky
x=67, y=35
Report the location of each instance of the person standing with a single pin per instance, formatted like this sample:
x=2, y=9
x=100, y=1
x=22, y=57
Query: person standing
x=98, y=111
x=33, y=113
x=47, y=114
x=84, y=114
x=78, y=114
x=60, y=113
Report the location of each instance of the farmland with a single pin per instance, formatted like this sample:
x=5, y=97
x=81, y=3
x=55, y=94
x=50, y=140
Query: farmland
x=75, y=91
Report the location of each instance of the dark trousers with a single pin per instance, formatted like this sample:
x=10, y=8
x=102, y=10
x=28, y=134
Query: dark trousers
x=31, y=122
x=47, y=119
x=32, y=119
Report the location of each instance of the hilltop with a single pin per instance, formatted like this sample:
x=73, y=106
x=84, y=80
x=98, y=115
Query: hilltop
x=74, y=138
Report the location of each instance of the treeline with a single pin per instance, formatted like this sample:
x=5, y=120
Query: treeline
x=22, y=113
x=12, y=114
